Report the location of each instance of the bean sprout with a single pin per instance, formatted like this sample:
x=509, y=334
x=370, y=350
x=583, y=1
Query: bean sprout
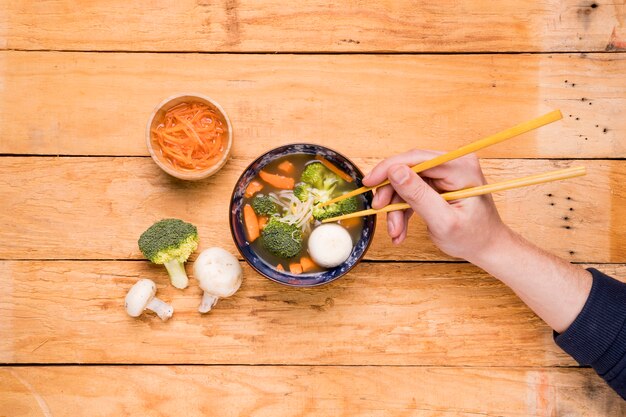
x=296, y=212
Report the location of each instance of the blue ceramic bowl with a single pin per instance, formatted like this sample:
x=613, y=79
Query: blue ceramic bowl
x=238, y=232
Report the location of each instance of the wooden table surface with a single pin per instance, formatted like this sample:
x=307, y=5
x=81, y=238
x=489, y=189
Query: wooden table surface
x=410, y=331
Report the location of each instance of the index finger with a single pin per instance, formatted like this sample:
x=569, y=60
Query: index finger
x=414, y=157
x=459, y=173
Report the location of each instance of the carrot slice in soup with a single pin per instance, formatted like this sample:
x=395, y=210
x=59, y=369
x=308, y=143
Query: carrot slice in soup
x=253, y=188
x=278, y=181
x=262, y=222
x=287, y=167
x=307, y=264
x=280, y=268
x=334, y=169
x=251, y=223
x=350, y=223
x=295, y=268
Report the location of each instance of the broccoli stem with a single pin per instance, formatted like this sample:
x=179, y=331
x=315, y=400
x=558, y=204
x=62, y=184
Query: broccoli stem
x=208, y=301
x=178, y=276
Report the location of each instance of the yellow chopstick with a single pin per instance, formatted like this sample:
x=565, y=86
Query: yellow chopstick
x=480, y=190
x=467, y=149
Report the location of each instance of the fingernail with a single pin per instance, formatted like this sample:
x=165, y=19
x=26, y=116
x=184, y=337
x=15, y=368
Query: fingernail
x=399, y=174
x=391, y=227
x=365, y=178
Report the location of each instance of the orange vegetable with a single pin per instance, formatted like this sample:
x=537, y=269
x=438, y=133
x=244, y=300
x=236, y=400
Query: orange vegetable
x=350, y=223
x=253, y=188
x=295, y=268
x=251, y=223
x=280, y=268
x=262, y=222
x=334, y=169
x=278, y=181
x=287, y=167
x=307, y=264
x=190, y=136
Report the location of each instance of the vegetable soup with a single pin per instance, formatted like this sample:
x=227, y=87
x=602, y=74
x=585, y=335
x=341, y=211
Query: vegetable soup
x=281, y=209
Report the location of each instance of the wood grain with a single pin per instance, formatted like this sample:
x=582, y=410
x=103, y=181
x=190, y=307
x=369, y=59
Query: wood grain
x=391, y=338
x=363, y=105
x=314, y=25
x=96, y=208
x=380, y=314
x=298, y=391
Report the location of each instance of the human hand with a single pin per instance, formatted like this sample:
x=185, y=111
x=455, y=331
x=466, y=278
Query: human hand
x=463, y=228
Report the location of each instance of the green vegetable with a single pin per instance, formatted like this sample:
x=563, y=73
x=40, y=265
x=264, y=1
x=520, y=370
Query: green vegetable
x=318, y=181
x=349, y=205
x=264, y=206
x=320, y=177
x=281, y=239
x=302, y=192
x=169, y=242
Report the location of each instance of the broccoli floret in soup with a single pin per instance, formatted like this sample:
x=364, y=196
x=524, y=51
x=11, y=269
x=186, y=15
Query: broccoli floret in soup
x=263, y=205
x=282, y=239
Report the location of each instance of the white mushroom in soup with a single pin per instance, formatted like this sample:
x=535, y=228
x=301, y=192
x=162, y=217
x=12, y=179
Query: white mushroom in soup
x=330, y=245
x=219, y=275
x=142, y=297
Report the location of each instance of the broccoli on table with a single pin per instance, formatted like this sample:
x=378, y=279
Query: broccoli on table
x=264, y=206
x=349, y=205
x=170, y=242
x=282, y=239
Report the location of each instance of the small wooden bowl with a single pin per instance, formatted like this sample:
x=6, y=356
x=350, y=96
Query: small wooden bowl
x=158, y=114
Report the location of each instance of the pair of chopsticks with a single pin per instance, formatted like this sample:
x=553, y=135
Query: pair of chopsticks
x=474, y=191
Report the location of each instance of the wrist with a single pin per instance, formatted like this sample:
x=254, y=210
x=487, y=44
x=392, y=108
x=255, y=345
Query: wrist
x=501, y=241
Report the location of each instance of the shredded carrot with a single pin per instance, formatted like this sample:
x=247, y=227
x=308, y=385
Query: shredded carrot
x=191, y=136
x=253, y=188
x=334, y=169
x=287, y=167
x=278, y=181
x=262, y=222
x=295, y=268
x=251, y=223
x=280, y=268
x=307, y=264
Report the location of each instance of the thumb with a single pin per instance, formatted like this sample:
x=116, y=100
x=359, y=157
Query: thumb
x=423, y=199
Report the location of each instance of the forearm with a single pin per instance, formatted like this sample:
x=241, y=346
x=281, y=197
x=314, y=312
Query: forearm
x=552, y=287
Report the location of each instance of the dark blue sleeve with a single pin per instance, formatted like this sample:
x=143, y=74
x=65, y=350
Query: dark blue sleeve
x=598, y=335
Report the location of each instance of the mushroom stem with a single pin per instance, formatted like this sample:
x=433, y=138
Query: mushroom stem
x=208, y=301
x=178, y=276
x=161, y=308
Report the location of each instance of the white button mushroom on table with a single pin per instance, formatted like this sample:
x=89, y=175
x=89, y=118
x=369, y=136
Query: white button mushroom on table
x=219, y=275
x=142, y=297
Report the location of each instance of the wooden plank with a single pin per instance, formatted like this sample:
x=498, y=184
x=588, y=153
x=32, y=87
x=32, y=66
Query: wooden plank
x=96, y=208
x=380, y=314
x=314, y=25
x=311, y=391
x=98, y=104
